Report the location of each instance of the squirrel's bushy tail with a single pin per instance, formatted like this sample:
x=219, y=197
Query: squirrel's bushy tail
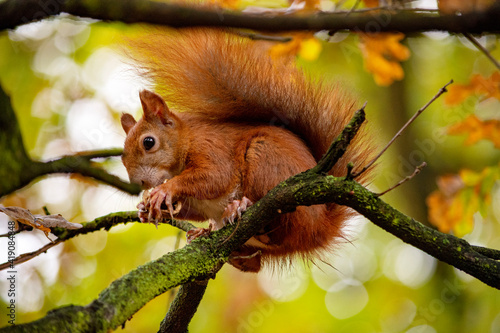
x=217, y=73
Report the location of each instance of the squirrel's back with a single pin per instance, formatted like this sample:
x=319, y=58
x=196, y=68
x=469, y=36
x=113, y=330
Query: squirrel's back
x=221, y=75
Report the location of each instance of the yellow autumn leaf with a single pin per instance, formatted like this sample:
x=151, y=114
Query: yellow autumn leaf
x=310, y=49
x=477, y=129
x=478, y=85
x=382, y=54
x=303, y=44
x=443, y=210
x=459, y=197
x=288, y=49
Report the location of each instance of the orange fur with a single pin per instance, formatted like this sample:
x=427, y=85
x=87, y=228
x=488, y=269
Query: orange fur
x=249, y=123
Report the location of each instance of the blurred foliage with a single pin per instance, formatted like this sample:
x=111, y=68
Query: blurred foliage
x=69, y=84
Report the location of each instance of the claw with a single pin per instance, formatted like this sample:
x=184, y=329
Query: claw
x=198, y=232
x=178, y=207
x=235, y=209
x=150, y=209
x=142, y=212
x=150, y=216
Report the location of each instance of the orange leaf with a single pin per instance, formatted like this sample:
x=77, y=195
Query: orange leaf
x=303, y=43
x=461, y=6
x=230, y=4
x=381, y=54
x=477, y=129
x=459, y=197
x=444, y=210
x=478, y=85
x=371, y=3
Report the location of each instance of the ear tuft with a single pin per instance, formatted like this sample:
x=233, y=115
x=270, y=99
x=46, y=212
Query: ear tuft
x=127, y=122
x=155, y=107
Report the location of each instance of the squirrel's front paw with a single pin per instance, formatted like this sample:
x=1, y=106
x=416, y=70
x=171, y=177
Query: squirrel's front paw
x=152, y=207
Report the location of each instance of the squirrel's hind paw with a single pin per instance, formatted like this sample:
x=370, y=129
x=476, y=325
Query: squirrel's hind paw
x=234, y=209
x=198, y=232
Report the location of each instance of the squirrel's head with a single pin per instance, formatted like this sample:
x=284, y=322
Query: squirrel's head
x=152, y=150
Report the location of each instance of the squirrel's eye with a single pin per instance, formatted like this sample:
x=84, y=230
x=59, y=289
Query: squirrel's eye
x=148, y=142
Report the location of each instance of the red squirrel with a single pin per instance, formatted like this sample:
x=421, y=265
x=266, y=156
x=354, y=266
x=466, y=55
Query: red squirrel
x=248, y=122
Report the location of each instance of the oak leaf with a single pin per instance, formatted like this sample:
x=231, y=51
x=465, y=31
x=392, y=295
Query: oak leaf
x=459, y=197
x=303, y=44
x=229, y=4
x=461, y=6
x=371, y=3
x=478, y=85
x=382, y=54
x=477, y=129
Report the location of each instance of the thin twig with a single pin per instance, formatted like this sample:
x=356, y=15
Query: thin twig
x=353, y=8
x=382, y=9
x=256, y=36
x=415, y=172
x=482, y=49
x=20, y=227
x=30, y=255
x=398, y=134
x=102, y=153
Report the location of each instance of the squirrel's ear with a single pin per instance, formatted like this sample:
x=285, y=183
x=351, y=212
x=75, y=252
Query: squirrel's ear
x=127, y=122
x=155, y=107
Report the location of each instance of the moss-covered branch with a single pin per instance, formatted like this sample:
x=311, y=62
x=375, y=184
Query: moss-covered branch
x=19, y=170
x=202, y=258
x=199, y=260
x=448, y=248
x=14, y=13
x=340, y=144
x=100, y=223
x=183, y=307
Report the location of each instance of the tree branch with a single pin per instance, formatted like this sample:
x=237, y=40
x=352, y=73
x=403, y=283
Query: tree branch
x=204, y=256
x=482, y=49
x=490, y=253
x=183, y=307
x=100, y=223
x=81, y=163
x=14, y=13
x=340, y=144
x=19, y=170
